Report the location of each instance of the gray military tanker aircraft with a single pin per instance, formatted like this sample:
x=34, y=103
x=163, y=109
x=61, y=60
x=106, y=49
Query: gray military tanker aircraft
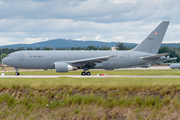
x=67, y=60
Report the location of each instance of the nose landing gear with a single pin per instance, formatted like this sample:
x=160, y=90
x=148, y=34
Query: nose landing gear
x=17, y=73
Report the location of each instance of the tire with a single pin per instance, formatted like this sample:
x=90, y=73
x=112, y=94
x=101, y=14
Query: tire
x=83, y=73
x=17, y=74
x=88, y=73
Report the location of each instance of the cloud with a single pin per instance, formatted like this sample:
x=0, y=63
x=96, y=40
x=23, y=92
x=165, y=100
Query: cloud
x=81, y=39
x=34, y=40
x=106, y=11
x=28, y=21
x=29, y=29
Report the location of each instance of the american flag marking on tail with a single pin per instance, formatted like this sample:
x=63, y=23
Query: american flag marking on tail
x=155, y=33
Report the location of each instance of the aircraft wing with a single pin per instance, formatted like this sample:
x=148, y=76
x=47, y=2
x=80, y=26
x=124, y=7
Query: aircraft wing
x=91, y=61
x=154, y=56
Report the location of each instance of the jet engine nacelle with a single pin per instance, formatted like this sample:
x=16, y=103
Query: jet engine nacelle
x=64, y=67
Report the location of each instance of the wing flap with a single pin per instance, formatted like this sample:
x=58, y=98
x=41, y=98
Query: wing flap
x=154, y=56
x=84, y=62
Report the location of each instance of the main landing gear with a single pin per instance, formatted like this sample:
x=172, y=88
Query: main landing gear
x=86, y=68
x=85, y=73
x=17, y=73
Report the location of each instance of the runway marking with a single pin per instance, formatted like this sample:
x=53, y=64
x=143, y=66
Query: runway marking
x=118, y=76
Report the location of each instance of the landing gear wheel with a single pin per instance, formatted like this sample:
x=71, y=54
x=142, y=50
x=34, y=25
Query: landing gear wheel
x=83, y=73
x=88, y=73
x=17, y=74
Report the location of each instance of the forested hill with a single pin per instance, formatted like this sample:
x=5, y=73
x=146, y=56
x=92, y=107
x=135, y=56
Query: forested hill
x=171, y=45
x=63, y=43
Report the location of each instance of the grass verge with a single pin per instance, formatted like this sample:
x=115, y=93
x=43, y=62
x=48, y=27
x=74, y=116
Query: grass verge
x=87, y=98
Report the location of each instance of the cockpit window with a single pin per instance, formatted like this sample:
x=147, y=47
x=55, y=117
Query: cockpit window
x=9, y=56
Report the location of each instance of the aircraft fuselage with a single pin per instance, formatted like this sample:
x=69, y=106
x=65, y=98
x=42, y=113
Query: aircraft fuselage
x=47, y=59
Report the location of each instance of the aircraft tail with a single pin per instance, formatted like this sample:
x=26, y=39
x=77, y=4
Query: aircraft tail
x=152, y=42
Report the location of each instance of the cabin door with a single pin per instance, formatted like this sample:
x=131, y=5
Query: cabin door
x=21, y=57
x=127, y=57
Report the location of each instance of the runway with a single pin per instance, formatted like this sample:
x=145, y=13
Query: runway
x=137, y=68
x=79, y=76
x=95, y=76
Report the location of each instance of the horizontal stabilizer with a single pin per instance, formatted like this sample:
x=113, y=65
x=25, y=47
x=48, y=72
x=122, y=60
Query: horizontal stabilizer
x=169, y=59
x=154, y=56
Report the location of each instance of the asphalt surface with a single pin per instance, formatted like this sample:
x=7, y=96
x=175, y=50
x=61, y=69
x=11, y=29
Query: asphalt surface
x=94, y=76
x=79, y=76
x=138, y=68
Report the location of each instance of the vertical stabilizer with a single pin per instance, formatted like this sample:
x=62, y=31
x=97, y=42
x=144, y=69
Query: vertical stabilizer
x=152, y=42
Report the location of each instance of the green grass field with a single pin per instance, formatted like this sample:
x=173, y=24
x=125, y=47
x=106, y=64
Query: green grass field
x=90, y=98
x=95, y=72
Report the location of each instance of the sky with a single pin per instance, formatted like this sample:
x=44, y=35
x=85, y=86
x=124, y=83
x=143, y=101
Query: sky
x=128, y=21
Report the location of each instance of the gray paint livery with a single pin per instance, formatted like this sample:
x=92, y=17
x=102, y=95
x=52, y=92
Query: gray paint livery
x=64, y=61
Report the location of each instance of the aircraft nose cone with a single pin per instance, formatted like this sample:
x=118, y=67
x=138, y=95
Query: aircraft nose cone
x=171, y=66
x=4, y=60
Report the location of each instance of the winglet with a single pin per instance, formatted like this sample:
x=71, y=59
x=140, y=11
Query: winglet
x=152, y=42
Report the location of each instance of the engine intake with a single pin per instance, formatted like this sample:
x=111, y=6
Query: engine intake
x=64, y=67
